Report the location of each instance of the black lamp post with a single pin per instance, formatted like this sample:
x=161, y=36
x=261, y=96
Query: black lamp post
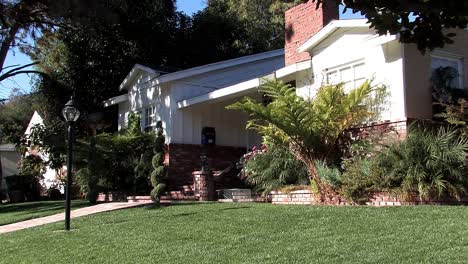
x=71, y=114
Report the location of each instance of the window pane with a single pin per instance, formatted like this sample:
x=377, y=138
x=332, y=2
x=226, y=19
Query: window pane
x=346, y=74
x=359, y=71
x=332, y=77
x=437, y=63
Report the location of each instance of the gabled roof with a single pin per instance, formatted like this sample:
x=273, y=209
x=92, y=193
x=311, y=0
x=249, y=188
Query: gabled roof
x=219, y=65
x=244, y=88
x=329, y=29
x=138, y=68
x=36, y=119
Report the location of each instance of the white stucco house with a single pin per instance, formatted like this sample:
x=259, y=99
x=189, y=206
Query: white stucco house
x=319, y=49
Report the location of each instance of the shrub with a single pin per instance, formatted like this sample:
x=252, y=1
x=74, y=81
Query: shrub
x=158, y=176
x=358, y=180
x=273, y=167
x=430, y=162
x=329, y=173
x=107, y=163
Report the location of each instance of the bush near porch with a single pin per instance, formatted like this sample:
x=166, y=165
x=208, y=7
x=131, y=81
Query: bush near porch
x=119, y=162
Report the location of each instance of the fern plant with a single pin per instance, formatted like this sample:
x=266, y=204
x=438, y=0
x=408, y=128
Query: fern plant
x=310, y=128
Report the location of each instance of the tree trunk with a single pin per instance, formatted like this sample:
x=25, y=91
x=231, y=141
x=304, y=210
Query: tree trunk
x=6, y=43
x=326, y=195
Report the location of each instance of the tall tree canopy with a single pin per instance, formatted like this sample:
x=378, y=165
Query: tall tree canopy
x=92, y=55
x=15, y=115
x=262, y=20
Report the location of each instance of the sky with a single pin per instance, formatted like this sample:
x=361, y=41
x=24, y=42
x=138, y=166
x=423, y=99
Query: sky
x=23, y=82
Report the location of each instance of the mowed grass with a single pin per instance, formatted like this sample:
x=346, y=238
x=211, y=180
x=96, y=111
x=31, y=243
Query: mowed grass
x=249, y=233
x=12, y=213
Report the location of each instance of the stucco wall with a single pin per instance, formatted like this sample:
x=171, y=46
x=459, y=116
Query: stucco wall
x=417, y=68
x=383, y=63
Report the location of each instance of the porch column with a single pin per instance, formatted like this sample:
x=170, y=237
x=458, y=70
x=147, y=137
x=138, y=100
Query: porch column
x=203, y=185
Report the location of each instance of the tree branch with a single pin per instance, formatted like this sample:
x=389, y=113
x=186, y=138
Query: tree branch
x=5, y=76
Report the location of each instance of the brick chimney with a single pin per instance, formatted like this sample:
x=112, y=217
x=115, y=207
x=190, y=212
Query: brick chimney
x=302, y=22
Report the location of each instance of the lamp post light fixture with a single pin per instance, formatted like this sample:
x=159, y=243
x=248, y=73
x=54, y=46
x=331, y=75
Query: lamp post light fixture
x=71, y=113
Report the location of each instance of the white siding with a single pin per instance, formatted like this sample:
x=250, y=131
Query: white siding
x=184, y=126
x=383, y=62
x=229, y=125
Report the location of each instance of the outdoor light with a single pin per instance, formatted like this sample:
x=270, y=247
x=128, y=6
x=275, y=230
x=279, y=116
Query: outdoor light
x=71, y=113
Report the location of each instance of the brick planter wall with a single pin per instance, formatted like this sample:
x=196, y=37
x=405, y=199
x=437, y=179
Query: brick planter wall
x=306, y=197
x=385, y=199
x=183, y=159
x=295, y=197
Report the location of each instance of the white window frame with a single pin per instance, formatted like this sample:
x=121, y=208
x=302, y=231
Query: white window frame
x=356, y=80
x=450, y=57
x=149, y=114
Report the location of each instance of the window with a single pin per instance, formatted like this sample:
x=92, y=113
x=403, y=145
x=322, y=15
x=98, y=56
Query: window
x=452, y=65
x=351, y=74
x=149, y=118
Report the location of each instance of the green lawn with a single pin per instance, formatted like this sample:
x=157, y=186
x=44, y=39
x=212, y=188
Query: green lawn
x=12, y=213
x=249, y=233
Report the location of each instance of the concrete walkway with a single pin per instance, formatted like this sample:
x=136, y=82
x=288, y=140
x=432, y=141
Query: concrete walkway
x=74, y=213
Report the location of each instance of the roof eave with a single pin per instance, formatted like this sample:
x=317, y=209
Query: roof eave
x=329, y=29
x=219, y=65
x=137, y=68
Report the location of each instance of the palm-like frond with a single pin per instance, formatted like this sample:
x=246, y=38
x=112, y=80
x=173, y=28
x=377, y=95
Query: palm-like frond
x=310, y=128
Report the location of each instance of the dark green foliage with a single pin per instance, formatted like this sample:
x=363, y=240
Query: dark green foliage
x=262, y=21
x=158, y=191
x=431, y=163
x=110, y=164
x=134, y=126
x=14, y=117
x=357, y=180
x=159, y=175
x=274, y=169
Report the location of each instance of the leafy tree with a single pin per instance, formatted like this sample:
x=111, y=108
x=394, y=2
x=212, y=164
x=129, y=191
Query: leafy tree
x=310, y=128
x=91, y=56
x=23, y=21
x=216, y=35
x=262, y=20
x=426, y=30
x=15, y=115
